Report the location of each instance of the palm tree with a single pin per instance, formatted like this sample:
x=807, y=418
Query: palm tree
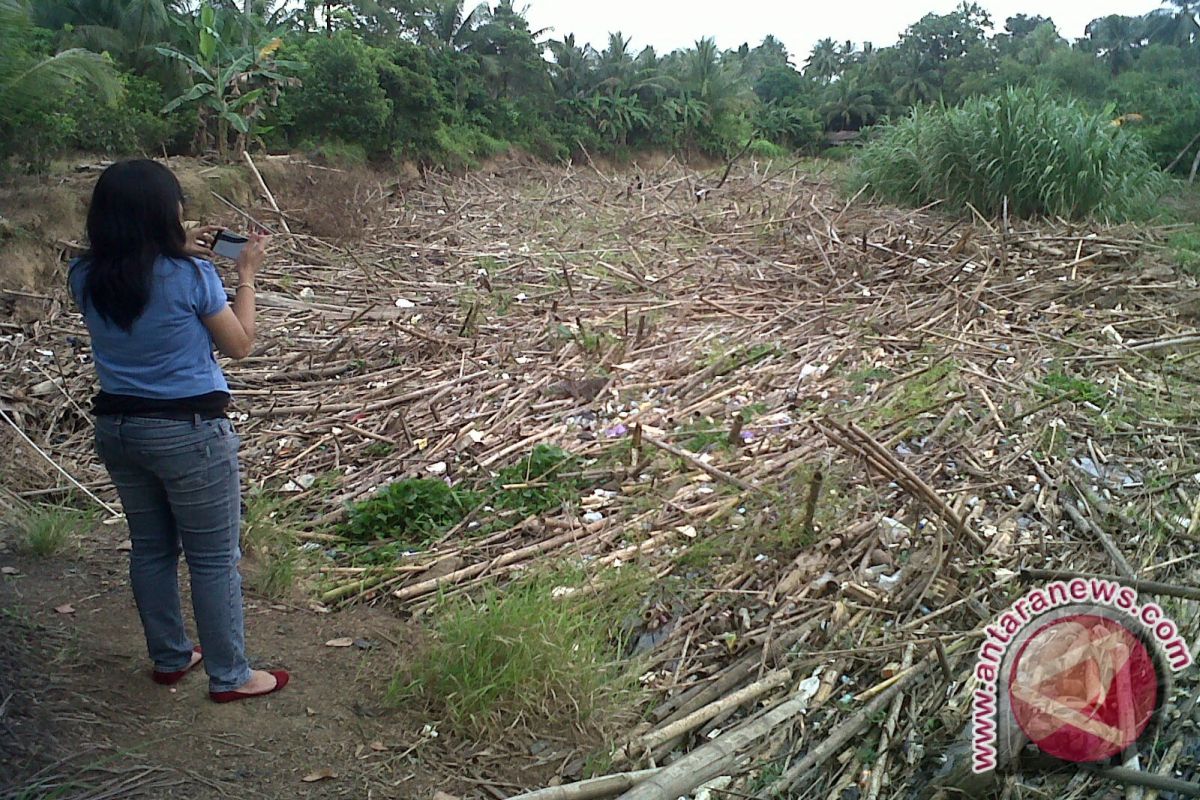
x=447, y=24
x=1116, y=38
x=1178, y=25
x=571, y=72
x=26, y=79
x=915, y=81
x=128, y=30
x=847, y=106
x=825, y=62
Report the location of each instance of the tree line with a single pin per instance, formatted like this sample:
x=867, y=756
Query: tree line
x=436, y=82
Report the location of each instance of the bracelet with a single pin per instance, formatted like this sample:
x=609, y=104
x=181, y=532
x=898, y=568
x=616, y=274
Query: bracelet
x=250, y=286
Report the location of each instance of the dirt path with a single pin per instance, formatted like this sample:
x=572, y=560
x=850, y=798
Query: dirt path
x=81, y=719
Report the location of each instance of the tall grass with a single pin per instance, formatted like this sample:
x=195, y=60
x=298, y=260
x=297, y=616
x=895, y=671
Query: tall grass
x=543, y=647
x=1047, y=156
x=50, y=530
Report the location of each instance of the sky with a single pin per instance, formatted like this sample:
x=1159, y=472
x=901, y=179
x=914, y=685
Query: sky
x=672, y=24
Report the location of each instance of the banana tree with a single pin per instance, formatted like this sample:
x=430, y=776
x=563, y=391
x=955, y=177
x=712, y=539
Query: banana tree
x=231, y=86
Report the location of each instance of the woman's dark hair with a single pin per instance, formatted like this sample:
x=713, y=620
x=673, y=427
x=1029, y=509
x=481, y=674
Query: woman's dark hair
x=133, y=219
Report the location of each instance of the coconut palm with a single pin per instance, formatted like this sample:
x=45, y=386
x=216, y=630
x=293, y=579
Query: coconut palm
x=825, y=62
x=1116, y=38
x=25, y=80
x=1177, y=25
x=848, y=106
x=915, y=83
x=448, y=24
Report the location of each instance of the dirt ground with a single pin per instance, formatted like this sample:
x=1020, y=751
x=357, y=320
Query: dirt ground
x=80, y=718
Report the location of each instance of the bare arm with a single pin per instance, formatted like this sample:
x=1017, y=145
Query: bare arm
x=233, y=327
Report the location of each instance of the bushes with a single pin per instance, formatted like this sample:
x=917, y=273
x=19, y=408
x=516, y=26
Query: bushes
x=1048, y=157
x=340, y=98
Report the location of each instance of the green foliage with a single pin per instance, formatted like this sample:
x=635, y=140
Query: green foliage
x=1044, y=156
x=35, y=85
x=269, y=538
x=135, y=126
x=539, y=482
x=1059, y=385
x=231, y=85
x=411, y=512
x=339, y=98
x=446, y=83
x=1185, y=250
x=524, y=651
x=49, y=530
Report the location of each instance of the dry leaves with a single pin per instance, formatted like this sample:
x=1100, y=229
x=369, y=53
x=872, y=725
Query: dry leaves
x=343, y=642
x=319, y=775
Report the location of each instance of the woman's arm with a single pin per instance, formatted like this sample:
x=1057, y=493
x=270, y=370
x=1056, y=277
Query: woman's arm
x=233, y=327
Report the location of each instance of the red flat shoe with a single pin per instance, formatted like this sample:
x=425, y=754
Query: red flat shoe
x=172, y=678
x=281, y=680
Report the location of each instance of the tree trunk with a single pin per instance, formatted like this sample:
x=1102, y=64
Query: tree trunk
x=1195, y=169
x=248, y=10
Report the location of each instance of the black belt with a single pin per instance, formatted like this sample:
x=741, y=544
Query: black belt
x=178, y=416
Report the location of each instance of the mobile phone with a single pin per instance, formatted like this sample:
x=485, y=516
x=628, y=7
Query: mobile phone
x=229, y=244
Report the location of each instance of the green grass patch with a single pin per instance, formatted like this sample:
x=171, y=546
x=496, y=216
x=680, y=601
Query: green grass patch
x=1060, y=385
x=921, y=391
x=1044, y=155
x=1185, y=250
x=269, y=528
x=49, y=530
x=702, y=435
x=530, y=650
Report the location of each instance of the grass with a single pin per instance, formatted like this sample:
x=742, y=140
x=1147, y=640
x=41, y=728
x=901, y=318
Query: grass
x=529, y=650
x=920, y=392
x=1058, y=385
x=1184, y=250
x=49, y=530
x=269, y=536
x=1045, y=156
x=414, y=512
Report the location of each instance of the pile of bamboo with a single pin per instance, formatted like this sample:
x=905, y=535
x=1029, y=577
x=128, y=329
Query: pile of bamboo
x=943, y=403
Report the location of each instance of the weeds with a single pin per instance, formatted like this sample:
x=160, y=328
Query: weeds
x=1185, y=250
x=542, y=481
x=413, y=512
x=1059, y=385
x=1045, y=157
x=268, y=535
x=532, y=649
x=50, y=530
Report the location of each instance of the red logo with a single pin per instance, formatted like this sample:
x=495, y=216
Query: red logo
x=1084, y=688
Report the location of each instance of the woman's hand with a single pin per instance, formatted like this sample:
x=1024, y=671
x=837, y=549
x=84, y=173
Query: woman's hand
x=200, y=241
x=251, y=258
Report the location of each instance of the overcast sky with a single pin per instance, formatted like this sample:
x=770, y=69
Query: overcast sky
x=671, y=24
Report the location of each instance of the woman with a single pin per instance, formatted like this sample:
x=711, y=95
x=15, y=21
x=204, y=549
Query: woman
x=155, y=309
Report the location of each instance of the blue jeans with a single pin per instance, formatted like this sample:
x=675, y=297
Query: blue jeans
x=179, y=484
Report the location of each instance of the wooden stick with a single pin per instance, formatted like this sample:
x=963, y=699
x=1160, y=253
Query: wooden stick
x=593, y=789
x=267, y=192
x=690, y=458
x=1151, y=587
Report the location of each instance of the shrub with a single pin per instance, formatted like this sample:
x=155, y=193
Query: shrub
x=135, y=125
x=539, y=482
x=1048, y=157
x=340, y=98
x=412, y=512
x=761, y=148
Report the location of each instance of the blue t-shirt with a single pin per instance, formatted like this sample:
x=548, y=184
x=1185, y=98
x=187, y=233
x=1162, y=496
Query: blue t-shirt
x=168, y=353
